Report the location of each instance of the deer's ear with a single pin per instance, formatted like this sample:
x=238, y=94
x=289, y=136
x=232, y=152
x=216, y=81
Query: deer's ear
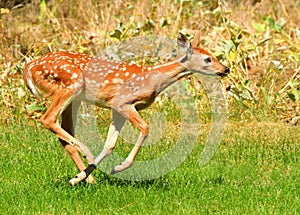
x=196, y=41
x=184, y=44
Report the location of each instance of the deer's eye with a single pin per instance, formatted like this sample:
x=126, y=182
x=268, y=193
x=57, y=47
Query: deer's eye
x=207, y=60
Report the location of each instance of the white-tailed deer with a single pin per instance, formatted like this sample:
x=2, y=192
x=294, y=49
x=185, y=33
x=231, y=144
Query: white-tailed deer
x=69, y=78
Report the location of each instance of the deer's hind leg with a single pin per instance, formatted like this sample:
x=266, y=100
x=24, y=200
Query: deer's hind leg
x=62, y=105
x=50, y=120
x=69, y=118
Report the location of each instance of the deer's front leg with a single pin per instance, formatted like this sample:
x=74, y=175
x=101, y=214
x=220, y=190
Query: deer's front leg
x=130, y=159
x=111, y=140
x=133, y=116
x=112, y=136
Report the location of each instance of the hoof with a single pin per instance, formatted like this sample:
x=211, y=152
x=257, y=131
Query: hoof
x=121, y=167
x=113, y=171
x=90, y=179
x=78, y=178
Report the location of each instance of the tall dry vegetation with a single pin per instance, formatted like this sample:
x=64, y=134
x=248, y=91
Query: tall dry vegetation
x=259, y=40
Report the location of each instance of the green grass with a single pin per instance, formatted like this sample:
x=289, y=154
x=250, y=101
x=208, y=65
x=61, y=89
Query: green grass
x=255, y=171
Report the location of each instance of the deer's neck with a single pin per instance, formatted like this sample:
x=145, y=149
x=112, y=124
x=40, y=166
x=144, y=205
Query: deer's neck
x=168, y=73
x=172, y=69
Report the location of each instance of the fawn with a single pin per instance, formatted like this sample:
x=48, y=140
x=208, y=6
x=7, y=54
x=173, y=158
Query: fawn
x=69, y=78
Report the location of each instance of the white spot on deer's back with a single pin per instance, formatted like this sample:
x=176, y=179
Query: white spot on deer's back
x=74, y=76
x=117, y=80
x=83, y=67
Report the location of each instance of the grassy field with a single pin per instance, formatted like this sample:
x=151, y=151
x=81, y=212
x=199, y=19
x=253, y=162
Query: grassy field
x=255, y=171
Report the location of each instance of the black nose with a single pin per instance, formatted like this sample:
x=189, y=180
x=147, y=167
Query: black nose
x=227, y=70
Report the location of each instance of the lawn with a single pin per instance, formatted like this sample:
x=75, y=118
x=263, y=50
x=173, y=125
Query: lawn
x=255, y=171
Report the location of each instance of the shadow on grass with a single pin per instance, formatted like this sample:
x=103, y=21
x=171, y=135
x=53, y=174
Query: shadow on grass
x=104, y=179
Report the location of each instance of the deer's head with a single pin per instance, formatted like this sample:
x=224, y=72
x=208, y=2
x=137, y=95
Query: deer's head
x=198, y=60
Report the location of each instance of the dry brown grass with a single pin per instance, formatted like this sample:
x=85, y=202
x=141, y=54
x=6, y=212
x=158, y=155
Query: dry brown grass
x=258, y=87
